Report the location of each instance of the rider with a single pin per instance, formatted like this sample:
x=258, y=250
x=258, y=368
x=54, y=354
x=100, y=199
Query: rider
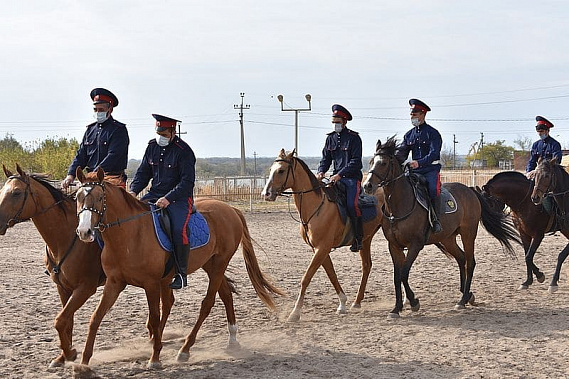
x=170, y=163
x=104, y=144
x=424, y=142
x=546, y=147
x=343, y=147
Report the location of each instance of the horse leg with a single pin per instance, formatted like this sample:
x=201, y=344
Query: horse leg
x=215, y=279
x=319, y=257
x=64, y=321
x=531, y=268
x=167, y=301
x=412, y=253
x=329, y=268
x=468, y=244
x=398, y=258
x=225, y=295
x=153, y=293
x=560, y=259
x=110, y=294
x=365, y=256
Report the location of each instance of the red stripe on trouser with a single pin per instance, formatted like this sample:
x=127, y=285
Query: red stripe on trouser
x=438, y=183
x=185, y=239
x=358, y=187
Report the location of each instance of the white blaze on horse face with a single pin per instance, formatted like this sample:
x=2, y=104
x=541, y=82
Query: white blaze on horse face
x=84, y=226
x=267, y=191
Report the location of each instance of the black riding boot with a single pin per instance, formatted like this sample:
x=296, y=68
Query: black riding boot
x=182, y=253
x=436, y=207
x=357, y=227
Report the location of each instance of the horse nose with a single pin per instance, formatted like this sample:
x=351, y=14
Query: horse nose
x=367, y=187
x=85, y=235
x=535, y=199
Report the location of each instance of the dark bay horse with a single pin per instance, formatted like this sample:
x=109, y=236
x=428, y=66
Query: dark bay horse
x=406, y=224
x=132, y=255
x=552, y=180
x=74, y=267
x=321, y=225
x=532, y=221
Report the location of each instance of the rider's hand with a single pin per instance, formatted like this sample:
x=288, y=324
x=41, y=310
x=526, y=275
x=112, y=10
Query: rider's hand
x=414, y=164
x=132, y=193
x=530, y=175
x=335, y=178
x=320, y=175
x=162, y=202
x=67, y=181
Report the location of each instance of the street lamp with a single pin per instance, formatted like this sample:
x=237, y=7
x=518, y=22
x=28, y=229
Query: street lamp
x=296, y=110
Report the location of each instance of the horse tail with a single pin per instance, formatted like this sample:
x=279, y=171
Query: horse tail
x=263, y=287
x=497, y=224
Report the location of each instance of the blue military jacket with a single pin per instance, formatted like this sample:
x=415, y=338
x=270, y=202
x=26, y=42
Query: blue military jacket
x=104, y=145
x=547, y=148
x=344, y=149
x=172, y=169
x=425, y=143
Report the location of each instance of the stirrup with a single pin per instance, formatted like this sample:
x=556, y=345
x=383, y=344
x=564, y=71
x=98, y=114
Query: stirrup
x=356, y=246
x=179, y=282
x=437, y=228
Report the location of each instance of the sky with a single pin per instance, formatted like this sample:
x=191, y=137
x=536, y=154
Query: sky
x=486, y=68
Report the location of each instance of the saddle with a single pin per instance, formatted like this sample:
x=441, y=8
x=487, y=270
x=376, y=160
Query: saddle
x=198, y=230
x=422, y=194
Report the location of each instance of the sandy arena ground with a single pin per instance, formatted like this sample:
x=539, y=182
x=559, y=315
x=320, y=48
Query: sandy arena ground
x=510, y=333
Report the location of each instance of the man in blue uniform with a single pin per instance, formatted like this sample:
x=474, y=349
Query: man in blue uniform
x=425, y=143
x=546, y=147
x=170, y=163
x=343, y=148
x=104, y=144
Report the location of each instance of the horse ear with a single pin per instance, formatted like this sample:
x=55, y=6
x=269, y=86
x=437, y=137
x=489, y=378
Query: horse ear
x=553, y=161
x=282, y=153
x=292, y=153
x=7, y=172
x=100, y=175
x=378, y=145
x=20, y=171
x=80, y=175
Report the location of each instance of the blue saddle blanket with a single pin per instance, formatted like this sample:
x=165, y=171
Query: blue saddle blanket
x=198, y=231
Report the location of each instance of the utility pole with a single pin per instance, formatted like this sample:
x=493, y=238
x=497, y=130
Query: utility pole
x=241, y=107
x=454, y=142
x=480, y=149
x=296, y=110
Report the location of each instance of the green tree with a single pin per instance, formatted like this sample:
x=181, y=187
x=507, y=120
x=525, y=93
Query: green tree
x=12, y=152
x=495, y=152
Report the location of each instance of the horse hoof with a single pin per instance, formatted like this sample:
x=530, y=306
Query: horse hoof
x=356, y=306
x=182, y=356
x=523, y=287
x=342, y=311
x=553, y=289
x=416, y=307
x=459, y=307
x=472, y=300
x=56, y=363
x=393, y=316
x=154, y=365
x=294, y=317
x=541, y=278
x=233, y=345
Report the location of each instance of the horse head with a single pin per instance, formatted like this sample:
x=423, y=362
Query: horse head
x=545, y=179
x=281, y=176
x=91, y=203
x=382, y=166
x=14, y=206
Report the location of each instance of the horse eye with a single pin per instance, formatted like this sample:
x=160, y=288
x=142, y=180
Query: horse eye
x=17, y=193
x=280, y=170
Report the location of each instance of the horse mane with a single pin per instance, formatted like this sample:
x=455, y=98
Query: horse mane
x=315, y=183
x=505, y=175
x=128, y=198
x=389, y=147
x=56, y=193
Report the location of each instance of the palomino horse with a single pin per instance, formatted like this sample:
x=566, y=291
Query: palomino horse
x=513, y=189
x=322, y=227
x=552, y=180
x=132, y=255
x=407, y=224
x=73, y=266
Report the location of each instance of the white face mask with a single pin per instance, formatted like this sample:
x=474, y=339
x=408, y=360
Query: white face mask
x=415, y=121
x=337, y=127
x=162, y=141
x=100, y=116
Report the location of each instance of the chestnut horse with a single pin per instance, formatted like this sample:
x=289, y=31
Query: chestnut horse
x=407, y=224
x=321, y=225
x=532, y=221
x=552, y=180
x=74, y=267
x=132, y=255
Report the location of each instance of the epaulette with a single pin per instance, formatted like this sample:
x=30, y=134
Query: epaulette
x=353, y=132
x=118, y=123
x=91, y=124
x=329, y=134
x=153, y=140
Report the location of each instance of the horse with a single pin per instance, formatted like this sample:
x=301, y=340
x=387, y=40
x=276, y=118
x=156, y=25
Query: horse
x=321, y=225
x=74, y=267
x=133, y=255
x=552, y=180
x=406, y=224
x=532, y=221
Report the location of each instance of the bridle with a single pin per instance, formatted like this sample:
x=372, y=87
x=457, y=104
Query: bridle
x=100, y=225
x=383, y=182
x=27, y=192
